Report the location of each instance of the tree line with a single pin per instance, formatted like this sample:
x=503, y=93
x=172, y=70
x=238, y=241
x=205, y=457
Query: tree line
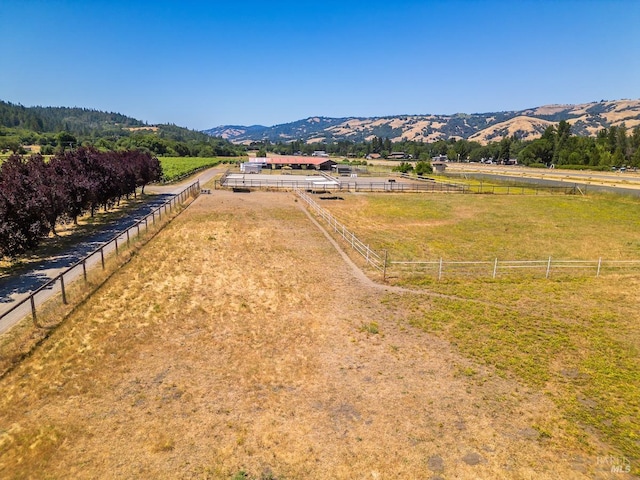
x=615, y=146
x=36, y=195
x=55, y=129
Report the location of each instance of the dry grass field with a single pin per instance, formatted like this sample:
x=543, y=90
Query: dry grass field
x=239, y=344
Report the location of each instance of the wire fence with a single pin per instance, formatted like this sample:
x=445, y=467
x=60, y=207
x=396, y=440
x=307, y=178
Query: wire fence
x=442, y=268
x=512, y=187
x=57, y=289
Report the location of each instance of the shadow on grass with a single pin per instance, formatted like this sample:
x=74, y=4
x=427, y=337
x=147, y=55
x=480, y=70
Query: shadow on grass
x=75, y=242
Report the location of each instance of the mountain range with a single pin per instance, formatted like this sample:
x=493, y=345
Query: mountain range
x=585, y=119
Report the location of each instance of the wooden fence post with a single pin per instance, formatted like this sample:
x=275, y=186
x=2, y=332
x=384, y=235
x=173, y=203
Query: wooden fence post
x=64, y=294
x=495, y=268
x=599, y=265
x=33, y=311
x=440, y=270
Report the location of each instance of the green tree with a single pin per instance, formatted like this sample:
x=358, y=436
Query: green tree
x=66, y=141
x=403, y=167
x=505, y=149
x=423, y=168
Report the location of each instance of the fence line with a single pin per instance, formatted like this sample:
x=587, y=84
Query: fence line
x=440, y=267
x=377, y=260
x=61, y=282
x=417, y=185
x=339, y=186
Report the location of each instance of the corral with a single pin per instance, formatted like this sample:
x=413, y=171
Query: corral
x=327, y=182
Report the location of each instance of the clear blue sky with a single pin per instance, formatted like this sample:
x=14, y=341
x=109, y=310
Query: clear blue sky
x=201, y=64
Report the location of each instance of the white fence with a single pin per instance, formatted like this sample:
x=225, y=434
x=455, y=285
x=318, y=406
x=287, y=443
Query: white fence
x=373, y=258
x=441, y=268
x=494, y=269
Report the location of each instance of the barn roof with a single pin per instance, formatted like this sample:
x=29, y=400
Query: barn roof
x=298, y=160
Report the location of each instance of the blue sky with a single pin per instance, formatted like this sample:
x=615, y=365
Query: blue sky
x=201, y=64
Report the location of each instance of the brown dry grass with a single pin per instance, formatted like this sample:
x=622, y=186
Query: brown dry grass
x=238, y=340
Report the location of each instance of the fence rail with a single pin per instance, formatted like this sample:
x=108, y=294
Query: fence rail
x=373, y=258
x=340, y=185
x=406, y=184
x=59, y=284
x=441, y=268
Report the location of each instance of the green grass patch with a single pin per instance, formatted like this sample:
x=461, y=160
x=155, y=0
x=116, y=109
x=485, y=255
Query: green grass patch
x=175, y=168
x=577, y=339
x=485, y=227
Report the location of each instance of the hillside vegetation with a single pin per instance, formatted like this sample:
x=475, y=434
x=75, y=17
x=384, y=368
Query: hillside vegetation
x=50, y=129
x=585, y=120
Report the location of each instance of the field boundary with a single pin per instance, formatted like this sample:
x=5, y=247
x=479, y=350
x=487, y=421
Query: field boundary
x=494, y=269
x=373, y=258
x=475, y=268
x=405, y=184
x=38, y=298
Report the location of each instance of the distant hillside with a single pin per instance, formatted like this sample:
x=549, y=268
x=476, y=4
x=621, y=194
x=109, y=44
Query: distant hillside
x=86, y=122
x=45, y=129
x=586, y=119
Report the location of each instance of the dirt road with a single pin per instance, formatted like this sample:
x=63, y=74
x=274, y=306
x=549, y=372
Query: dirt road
x=239, y=340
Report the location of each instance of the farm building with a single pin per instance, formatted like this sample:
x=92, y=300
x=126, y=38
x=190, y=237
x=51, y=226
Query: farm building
x=251, y=167
x=439, y=167
x=398, y=156
x=307, y=163
x=254, y=165
x=342, y=169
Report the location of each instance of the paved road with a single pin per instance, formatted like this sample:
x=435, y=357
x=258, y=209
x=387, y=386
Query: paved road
x=15, y=288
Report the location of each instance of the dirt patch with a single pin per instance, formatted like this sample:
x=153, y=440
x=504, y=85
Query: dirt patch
x=239, y=340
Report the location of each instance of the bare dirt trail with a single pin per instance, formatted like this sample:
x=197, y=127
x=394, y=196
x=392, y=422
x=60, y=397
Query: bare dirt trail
x=239, y=340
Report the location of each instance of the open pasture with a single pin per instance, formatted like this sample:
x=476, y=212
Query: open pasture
x=483, y=227
x=238, y=340
x=576, y=339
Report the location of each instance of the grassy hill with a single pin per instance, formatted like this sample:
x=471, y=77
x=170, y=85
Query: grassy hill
x=585, y=119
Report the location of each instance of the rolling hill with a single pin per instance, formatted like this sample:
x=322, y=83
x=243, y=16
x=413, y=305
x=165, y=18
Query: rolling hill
x=586, y=119
x=86, y=122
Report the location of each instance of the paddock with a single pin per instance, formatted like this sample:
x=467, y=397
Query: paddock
x=328, y=183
